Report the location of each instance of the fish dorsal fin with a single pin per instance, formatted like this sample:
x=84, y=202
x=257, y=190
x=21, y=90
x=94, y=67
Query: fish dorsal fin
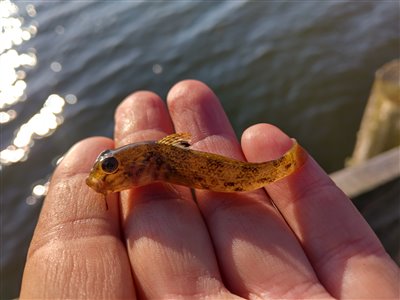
x=176, y=139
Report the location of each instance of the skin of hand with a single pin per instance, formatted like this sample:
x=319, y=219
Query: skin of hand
x=300, y=237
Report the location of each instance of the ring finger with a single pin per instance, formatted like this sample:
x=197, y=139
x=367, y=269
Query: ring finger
x=257, y=252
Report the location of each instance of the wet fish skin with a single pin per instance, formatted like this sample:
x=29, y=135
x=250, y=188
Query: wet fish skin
x=171, y=160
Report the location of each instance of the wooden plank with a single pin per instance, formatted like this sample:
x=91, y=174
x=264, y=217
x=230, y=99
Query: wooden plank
x=370, y=174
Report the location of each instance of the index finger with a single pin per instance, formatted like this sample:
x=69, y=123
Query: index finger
x=76, y=244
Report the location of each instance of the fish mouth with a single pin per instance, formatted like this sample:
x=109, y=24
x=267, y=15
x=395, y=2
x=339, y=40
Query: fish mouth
x=96, y=184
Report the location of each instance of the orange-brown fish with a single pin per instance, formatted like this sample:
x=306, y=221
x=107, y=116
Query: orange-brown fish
x=171, y=160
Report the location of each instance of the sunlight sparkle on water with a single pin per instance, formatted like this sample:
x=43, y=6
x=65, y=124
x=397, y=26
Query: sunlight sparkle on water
x=42, y=124
x=59, y=29
x=12, y=63
x=71, y=99
x=12, y=85
x=7, y=116
x=56, y=66
x=157, y=69
x=13, y=67
x=38, y=191
x=12, y=31
x=30, y=9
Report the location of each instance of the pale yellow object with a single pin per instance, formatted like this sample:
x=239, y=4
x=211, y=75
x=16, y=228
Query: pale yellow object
x=380, y=126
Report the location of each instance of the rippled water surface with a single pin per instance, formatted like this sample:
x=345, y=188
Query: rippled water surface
x=304, y=66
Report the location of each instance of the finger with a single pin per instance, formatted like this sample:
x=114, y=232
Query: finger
x=344, y=251
x=255, y=248
x=76, y=246
x=168, y=243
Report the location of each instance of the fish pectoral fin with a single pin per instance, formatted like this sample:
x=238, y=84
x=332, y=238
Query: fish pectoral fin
x=177, y=139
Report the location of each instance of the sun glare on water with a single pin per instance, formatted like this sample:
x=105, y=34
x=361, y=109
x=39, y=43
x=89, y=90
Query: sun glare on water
x=14, y=67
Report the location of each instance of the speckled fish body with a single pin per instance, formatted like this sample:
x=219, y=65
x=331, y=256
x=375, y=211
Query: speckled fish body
x=171, y=160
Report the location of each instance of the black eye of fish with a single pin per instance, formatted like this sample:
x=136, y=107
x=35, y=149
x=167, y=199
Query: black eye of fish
x=109, y=165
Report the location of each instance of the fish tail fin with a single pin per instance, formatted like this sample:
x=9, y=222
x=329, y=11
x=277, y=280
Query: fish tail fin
x=288, y=163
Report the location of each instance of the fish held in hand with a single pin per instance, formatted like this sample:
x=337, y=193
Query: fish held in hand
x=171, y=160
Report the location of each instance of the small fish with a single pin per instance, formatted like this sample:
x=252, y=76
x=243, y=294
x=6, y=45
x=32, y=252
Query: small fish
x=171, y=160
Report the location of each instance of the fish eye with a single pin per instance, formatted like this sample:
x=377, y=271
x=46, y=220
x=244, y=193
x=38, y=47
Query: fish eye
x=109, y=165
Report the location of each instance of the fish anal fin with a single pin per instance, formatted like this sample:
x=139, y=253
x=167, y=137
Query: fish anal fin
x=177, y=139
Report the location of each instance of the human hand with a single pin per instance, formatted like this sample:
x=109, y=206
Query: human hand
x=156, y=242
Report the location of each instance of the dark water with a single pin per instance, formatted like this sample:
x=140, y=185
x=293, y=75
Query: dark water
x=304, y=66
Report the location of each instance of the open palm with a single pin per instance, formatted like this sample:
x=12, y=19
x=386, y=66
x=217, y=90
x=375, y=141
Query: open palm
x=301, y=237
